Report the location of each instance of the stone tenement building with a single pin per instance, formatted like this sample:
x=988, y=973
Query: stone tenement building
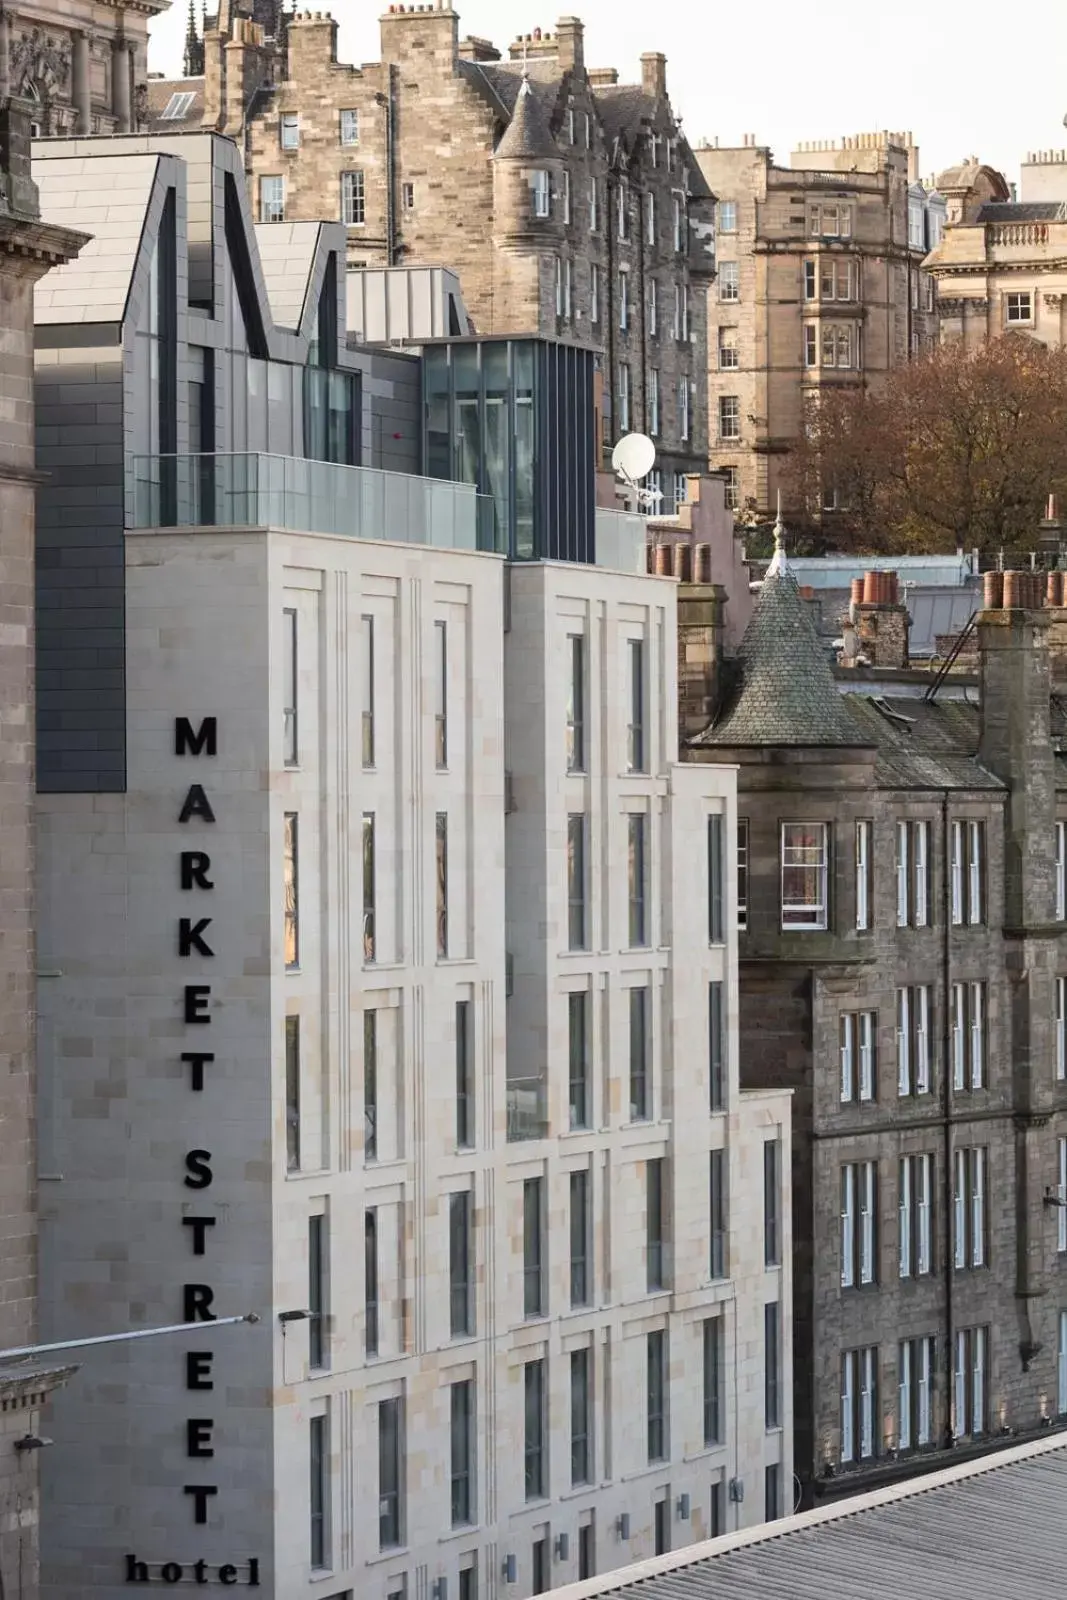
x=1001, y=266
x=903, y=890
x=81, y=64
x=568, y=202
x=819, y=284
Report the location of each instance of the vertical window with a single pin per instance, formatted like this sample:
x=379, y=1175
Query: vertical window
x=772, y=1362
x=1061, y=1028
x=289, y=131
x=533, y=1264
x=319, y=1463
x=289, y=682
x=369, y=931
x=729, y=279
x=915, y=1222
x=594, y=292
x=577, y=932
x=578, y=1058
x=772, y=1178
x=970, y=1383
x=967, y=874
x=653, y=400
x=539, y=1564
x=622, y=209
x=971, y=1242
x=857, y=1045
x=594, y=209
x=534, y=1464
x=637, y=877
x=581, y=1406
x=676, y=326
x=464, y=1076
x=726, y=216
x=716, y=920
x=576, y=703
x=809, y=280
x=624, y=397
x=1061, y=1364
x=624, y=299
x=915, y=1371
x=587, y=1549
x=636, y=754
x=540, y=194
x=913, y=1039
x=290, y=879
x=370, y=1281
x=640, y=1086
x=567, y=194
x=655, y=1226
x=461, y=1264
x=864, y=875
x=717, y=1204
x=805, y=857
x=580, y=1233
x=772, y=1491
x=1061, y=871
x=292, y=1093
x=353, y=200
x=568, y=288
x=859, y=1184
x=349, y=127
x=859, y=1404
x=653, y=308
x=370, y=1086
x=1061, y=1196
x=440, y=709
x=441, y=867
x=318, y=1287
x=559, y=286
x=390, y=1474
x=656, y=1395
x=272, y=199
x=368, y=692
x=742, y=872
x=461, y=1406
x=729, y=360
x=729, y=417
x=650, y=217
x=683, y=408
x=968, y=1035
x=676, y=231
x=716, y=1046
x=811, y=345
x=732, y=489
x=913, y=874
x=714, y=1369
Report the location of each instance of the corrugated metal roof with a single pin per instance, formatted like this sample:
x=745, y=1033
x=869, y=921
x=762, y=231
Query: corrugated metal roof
x=988, y=1530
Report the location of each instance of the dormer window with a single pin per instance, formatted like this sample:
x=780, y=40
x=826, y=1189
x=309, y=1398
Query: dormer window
x=177, y=106
x=541, y=193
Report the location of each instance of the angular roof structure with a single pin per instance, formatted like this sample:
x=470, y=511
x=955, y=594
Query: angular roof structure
x=528, y=134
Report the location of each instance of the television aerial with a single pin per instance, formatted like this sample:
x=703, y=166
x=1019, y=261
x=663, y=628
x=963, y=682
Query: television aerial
x=633, y=459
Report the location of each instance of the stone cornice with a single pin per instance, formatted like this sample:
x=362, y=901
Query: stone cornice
x=36, y=246
x=21, y=1390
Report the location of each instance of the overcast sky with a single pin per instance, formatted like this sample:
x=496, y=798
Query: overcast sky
x=789, y=70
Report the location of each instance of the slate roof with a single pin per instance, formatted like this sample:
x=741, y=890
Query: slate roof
x=920, y=745
x=528, y=133
x=788, y=694
x=987, y=1530
x=1023, y=211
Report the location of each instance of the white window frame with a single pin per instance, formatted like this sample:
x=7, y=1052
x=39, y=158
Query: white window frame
x=1061, y=1029
x=726, y=216
x=594, y=208
x=847, y=1053
x=653, y=308
x=922, y=1039
x=289, y=130
x=541, y=193
x=622, y=209
x=957, y=874
x=351, y=192
x=848, y=1225
x=732, y=489
x=266, y=211
x=904, y=1395
x=864, y=861
x=793, y=916
x=570, y=125
x=811, y=345
x=1061, y=1364
x=565, y=195
x=1061, y=872
x=683, y=408
x=977, y=1025
x=729, y=287
x=1061, y=1195
x=735, y=400
x=624, y=299
x=959, y=1037
x=348, y=132
x=811, y=280
x=867, y=1049
x=727, y=347
x=653, y=401
x=594, y=293
x=650, y=217
x=867, y=1211
x=623, y=385
x=924, y=1185
x=677, y=225
x=903, y=874
x=1020, y=302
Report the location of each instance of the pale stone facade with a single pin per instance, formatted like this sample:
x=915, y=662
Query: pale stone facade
x=575, y=210
x=81, y=64
x=819, y=284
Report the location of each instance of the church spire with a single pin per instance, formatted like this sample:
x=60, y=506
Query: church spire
x=194, y=46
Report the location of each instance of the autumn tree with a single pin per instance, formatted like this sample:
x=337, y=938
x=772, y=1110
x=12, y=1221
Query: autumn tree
x=953, y=449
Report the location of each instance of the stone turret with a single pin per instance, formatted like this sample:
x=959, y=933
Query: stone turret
x=527, y=176
x=237, y=60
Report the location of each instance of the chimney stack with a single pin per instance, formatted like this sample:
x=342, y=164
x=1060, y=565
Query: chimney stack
x=654, y=75
x=880, y=619
x=701, y=629
x=570, y=42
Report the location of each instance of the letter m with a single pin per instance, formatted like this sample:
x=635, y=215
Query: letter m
x=203, y=742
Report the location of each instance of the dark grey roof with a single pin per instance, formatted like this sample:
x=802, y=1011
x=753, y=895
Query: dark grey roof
x=1023, y=211
x=528, y=133
x=920, y=745
x=985, y=1530
x=788, y=695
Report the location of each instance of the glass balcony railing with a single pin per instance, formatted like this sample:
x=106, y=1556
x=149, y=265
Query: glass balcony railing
x=256, y=490
x=527, y=1109
x=620, y=540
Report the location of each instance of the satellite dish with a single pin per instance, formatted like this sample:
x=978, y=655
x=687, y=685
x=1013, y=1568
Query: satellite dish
x=634, y=457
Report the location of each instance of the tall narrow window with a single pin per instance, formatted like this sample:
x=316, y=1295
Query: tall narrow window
x=461, y=1407
x=716, y=1046
x=805, y=865
x=581, y=1406
x=461, y=1264
x=370, y=1281
x=655, y=1226
x=656, y=1394
x=441, y=875
x=967, y=873
x=289, y=683
x=576, y=704
x=292, y=1093
x=915, y=1372
x=370, y=1086
x=714, y=1369
x=533, y=1264
x=858, y=1224
x=534, y=1462
x=914, y=1025
x=858, y=1034
x=772, y=1163
x=464, y=1076
x=319, y=1464
x=915, y=1221
x=353, y=198
x=577, y=931
x=859, y=1404
x=1061, y=1364
x=913, y=874
x=970, y=1383
x=390, y=1474
x=864, y=875
x=290, y=879
x=968, y=1035
x=368, y=692
x=369, y=920
x=624, y=299
x=578, y=1059
x=742, y=873
x=580, y=1234
x=1061, y=1028
x=1061, y=1196
x=772, y=1491
x=636, y=754
x=318, y=1287
x=772, y=1365
x=970, y=1223
x=717, y=1205
x=637, y=877
x=440, y=708
x=716, y=918
x=640, y=1086
x=1061, y=871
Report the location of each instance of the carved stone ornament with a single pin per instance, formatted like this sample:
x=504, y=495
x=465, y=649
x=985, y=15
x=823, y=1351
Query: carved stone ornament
x=140, y=106
x=40, y=60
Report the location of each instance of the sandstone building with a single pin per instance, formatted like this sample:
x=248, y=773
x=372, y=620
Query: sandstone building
x=80, y=64
x=569, y=203
x=819, y=284
x=394, y=958
x=903, y=896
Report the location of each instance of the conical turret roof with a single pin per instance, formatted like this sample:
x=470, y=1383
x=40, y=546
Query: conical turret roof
x=528, y=135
